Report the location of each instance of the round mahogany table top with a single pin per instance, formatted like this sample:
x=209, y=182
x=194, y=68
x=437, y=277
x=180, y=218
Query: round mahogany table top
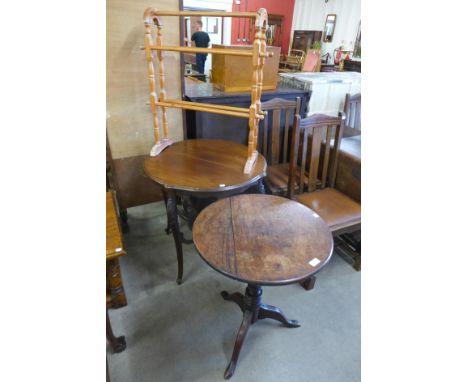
x=262, y=239
x=204, y=165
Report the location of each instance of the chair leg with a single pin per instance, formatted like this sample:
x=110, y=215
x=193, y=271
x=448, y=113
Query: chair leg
x=308, y=284
x=118, y=344
x=349, y=248
x=357, y=257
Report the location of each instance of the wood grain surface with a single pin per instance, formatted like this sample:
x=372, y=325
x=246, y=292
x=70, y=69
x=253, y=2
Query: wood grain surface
x=262, y=239
x=203, y=165
x=114, y=245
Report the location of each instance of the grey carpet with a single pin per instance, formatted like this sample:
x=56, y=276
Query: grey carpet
x=186, y=333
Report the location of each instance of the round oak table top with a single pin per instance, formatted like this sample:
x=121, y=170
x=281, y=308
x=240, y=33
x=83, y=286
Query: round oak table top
x=262, y=239
x=204, y=165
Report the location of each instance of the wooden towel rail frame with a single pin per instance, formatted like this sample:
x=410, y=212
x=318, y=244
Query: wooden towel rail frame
x=258, y=53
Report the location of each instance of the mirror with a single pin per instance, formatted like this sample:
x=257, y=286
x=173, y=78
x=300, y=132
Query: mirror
x=329, y=28
x=357, y=43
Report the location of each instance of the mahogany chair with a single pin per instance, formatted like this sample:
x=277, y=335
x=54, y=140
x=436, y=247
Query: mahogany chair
x=316, y=143
x=352, y=111
x=276, y=141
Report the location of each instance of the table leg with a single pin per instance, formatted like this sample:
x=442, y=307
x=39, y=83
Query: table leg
x=253, y=308
x=241, y=334
x=268, y=311
x=114, y=281
x=167, y=229
x=261, y=186
x=173, y=220
x=118, y=344
x=234, y=297
x=124, y=220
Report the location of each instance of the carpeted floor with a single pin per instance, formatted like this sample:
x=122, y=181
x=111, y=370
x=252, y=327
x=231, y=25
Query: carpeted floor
x=186, y=333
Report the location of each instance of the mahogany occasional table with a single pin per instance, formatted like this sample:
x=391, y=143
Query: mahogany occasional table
x=202, y=168
x=261, y=240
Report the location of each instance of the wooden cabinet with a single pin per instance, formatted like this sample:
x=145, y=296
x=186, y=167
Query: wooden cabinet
x=234, y=74
x=304, y=40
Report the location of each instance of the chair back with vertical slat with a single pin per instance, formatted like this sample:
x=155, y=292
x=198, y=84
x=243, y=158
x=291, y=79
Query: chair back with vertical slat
x=314, y=156
x=352, y=109
x=275, y=139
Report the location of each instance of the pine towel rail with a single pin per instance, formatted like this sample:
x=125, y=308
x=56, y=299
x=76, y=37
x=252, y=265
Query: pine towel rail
x=258, y=54
x=228, y=52
x=209, y=108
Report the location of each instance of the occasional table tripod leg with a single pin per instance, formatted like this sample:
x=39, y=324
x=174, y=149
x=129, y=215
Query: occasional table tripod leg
x=236, y=297
x=241, y=334
x=268, y=311
x=173, y=220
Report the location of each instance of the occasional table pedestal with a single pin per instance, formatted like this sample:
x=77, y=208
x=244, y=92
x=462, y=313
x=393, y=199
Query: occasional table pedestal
x=261, y=240
x=253, y=308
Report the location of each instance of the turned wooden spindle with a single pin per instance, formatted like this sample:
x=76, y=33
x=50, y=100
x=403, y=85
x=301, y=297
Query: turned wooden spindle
x=162, y=85
x=152, y=82
x=150, y=18
x=258, y=60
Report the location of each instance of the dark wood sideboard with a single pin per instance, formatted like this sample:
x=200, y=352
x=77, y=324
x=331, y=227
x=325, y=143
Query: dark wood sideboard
x=216, y=126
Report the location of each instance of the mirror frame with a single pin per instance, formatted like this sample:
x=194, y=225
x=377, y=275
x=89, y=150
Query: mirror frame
x=325, y=28
x=357, y=43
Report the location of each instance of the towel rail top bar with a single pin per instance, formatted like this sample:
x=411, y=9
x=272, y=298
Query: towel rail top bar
x=201, y=13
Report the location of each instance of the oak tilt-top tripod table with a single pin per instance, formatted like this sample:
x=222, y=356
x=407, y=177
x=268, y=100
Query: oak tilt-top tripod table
x=261, y=240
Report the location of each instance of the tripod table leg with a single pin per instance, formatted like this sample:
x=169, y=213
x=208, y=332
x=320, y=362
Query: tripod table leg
x=268, y=311
x=244, y=328
x=236, y=297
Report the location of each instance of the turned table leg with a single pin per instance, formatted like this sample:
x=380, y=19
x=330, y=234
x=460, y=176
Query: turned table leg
x=173, y=220
x=114, y=280
x=253, y=309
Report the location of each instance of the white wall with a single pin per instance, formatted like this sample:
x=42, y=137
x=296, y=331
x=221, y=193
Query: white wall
x=311, y=15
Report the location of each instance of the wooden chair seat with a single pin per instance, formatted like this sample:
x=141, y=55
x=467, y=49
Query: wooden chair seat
x=338, y=210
